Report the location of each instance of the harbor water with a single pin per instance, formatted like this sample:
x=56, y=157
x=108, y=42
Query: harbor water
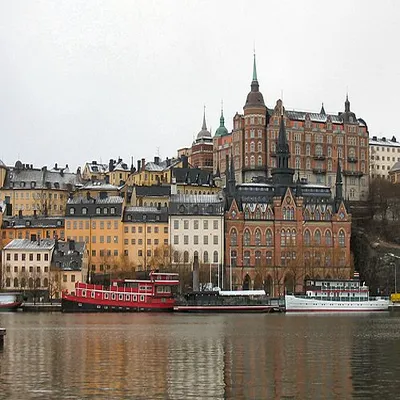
x=186, y=356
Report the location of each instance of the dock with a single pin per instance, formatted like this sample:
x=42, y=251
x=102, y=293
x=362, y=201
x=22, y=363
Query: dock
x=41, y=307
x=2, y=334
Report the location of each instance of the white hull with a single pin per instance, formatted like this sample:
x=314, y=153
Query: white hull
x=309, y=304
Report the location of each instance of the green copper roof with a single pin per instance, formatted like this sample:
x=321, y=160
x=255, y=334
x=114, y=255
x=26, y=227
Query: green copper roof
x=221, y=131
x=254, y=69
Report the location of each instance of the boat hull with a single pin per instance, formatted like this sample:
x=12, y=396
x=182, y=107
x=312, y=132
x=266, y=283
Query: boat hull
x=10, y=306
x=72, y=304
x=10, y=301
x=311, y=305
x=226, y=309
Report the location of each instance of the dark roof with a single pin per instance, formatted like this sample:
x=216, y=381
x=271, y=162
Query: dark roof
x=68, y=255
x=39, y=222
x=154, y=190
x=193, y=176
x=83, y=207
x=25, y=176
x=188, y=204
x=145, y=214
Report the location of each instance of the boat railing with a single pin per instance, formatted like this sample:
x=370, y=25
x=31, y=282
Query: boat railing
x=346, y=299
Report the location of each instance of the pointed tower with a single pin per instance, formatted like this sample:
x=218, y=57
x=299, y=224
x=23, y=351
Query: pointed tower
x=299, y=191
x=254, y=157
x=347, y=104
x=221, y=131
x=322, y=110
x=338, y=186
x=282, y=174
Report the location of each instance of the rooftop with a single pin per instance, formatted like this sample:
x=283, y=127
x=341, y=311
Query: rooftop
x=26, y=244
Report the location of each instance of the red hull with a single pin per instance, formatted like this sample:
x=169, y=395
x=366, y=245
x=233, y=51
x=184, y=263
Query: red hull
x=10, y=306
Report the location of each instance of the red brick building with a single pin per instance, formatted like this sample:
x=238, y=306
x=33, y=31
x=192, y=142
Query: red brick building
x=201, y=154
x=280, y=232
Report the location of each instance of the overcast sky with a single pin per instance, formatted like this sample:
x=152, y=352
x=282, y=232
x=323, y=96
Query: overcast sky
x=94, y=80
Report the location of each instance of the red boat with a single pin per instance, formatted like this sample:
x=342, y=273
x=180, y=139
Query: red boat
x=10, y=301
x=124, y=295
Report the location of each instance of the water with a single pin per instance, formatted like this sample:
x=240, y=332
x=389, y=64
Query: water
x=181, y=356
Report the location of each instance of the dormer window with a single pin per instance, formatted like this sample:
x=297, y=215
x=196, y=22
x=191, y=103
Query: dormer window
x=28, y=223
x=84, y=210
x=112, y=210
x=72, y=211
x=57, y=185
x=22, y=184
x=98, y=210
x=105, y=210
x=33, y=184
x=59, y=223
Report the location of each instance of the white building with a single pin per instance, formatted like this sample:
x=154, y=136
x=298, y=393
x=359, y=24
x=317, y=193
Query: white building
x=383, y=154
x=196, y=226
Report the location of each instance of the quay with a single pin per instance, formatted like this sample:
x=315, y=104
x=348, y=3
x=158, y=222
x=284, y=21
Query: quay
x=41, y=307
x=2, y=334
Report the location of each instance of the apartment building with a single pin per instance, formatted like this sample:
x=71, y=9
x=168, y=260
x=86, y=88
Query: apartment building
x=384, y=154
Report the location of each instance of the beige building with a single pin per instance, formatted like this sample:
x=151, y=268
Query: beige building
x=196, y=226
x=394, y=173
x=94, y=171
x=34, y=190
x=26, y=265
x=384, y=154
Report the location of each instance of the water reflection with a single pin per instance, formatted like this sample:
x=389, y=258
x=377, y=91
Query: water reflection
x=151, y=356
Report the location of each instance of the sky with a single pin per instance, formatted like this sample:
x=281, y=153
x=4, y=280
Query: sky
x=94, y=80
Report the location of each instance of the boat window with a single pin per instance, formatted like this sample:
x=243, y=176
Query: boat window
x=134, y=297
x=106, y=296
x=83, y=293
x=127, y=297
x=121, y=297
x=93, y=294
x=113, y=296
x=141, y=298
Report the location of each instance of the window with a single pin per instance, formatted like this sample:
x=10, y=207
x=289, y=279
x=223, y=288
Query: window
x=233, y=237
x=186, y=257
x=258, y=237
x=269, y=237
x=215, y=257
x=176, y=239
x=246, y=238
x=258, y=258
x=317, y=237
x=186, y=239
x=342, y=239
x=283, y=238
x=195, y=239
x=38, y=257
x=195, y=224
x=215, y=224
x=205, y=257
x=233, y=258
x=205, y=239
x=205, y=224
x=328, y=238
x=186, y=224
x=307, y=238
x=246, y=258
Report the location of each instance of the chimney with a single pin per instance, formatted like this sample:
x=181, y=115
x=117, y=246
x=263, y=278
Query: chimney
x=94, y=162
x=20, y=214
x=55, y=166
x=143, y=164
x=156, y=160
x=34, y=214
x=38, y=240
x=138, y=165
x=71, y=245
x=168, y=161
x=111, y=165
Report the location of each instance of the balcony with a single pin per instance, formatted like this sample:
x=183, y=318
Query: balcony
x=358, y=174
x=319, y=157
x=319, y=171
x=352, y=159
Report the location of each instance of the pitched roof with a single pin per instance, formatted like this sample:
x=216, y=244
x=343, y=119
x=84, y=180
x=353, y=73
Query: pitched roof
x=26, y=244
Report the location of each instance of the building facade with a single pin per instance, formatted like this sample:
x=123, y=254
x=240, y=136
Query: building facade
x=282, y=231
x=384, y=154
x=196, y=227
x=317, y=141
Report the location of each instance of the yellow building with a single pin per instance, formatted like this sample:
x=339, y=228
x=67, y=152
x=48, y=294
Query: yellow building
x=118, y=172
x=146, y=238
x=94, y=171
x=32, y=228
x=94, y=189
x=394, y=173
x=32, y=190
x=98, y=223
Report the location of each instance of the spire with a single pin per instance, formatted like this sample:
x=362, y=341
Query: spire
x=347, y=104
x=204, y=127
x=254, y=68
x=322, y=110
x=282, y=139
x=221, y=131
x=299, y=191
x=339, y=187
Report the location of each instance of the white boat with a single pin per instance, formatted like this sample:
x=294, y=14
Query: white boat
x=10, y=301
x=335, y=296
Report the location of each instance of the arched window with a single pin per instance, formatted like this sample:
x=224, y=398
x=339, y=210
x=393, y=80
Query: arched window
x=308, y=164
x=328, y=238
x=30, y=282
x=352, y=152
x=45, y=282
x=23, y=282
x=37, y=282
x=329, y=151
x=352, y=193
x=318, y=150
x=308, y=150
x=259, y=160
x=258, y=258
x=233, y=237
x=252, y=147
x=246, y=147
x=288, y=237
x=15, y=282
x=297, y=149
x=215, y=257
x=259, y=147
x=342, y=238
x=246, y=161
x=186, y=257
x=205, y=257
x=269, y=258
x=284, y=212
x=283, y=238
x=317, y=215
x=246, y=238
x=252, y=161
x=246, y=258
x=292, y=214
x=307, y=238
x=268, y=237
x=258, y=237
x=317, y=237
x=340, y=152
x=298, y=163
x=294, y=236
x=329, y=165
x=176, y=256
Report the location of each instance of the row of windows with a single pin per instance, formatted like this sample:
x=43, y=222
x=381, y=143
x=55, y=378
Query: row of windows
x=383, y=158
x=287, y=258
x=38, y=207
x=288, y=238
x=18, y=234
x=178, y=257
x=23, y=269
x=23, y=256
x=22, y=195
x=377, y=148
x=99, y=210
x=31, y=283
x=86, y=224
x=196, y=223
x=195, y=240
x=156, y=242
